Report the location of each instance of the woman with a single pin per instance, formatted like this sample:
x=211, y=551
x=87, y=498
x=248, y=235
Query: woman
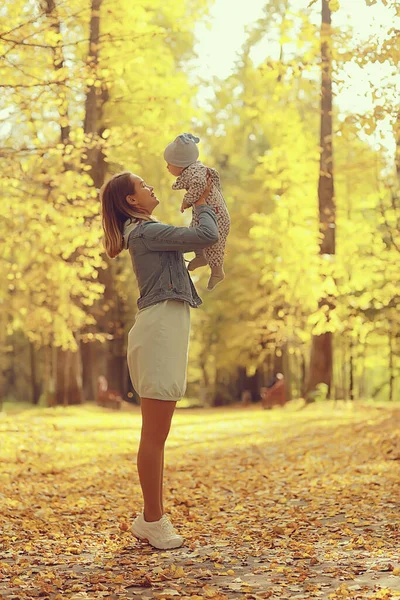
x=159, y=340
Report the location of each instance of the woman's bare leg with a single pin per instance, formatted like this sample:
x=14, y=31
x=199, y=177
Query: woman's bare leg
x=162, y=483
x=156, y=423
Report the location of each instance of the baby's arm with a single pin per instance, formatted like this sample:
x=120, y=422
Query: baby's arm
x=184, y=206
x=196, y=188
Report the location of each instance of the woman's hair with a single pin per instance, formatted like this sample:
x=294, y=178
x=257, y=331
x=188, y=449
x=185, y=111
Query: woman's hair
x=116, y=210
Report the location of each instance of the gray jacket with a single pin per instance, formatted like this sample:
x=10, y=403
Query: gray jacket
x=157, y=251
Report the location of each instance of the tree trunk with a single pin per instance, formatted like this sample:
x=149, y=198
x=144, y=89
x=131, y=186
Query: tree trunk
x=67, y=374
x=58, y=63
x=351, y=370
x=287, y=376
x=94, y=364
x=116, y=354
x=94, y=103
x=303, y=375
x=343, y=358
x=278, y=361
x=251, y=383
x=35, y=385
x=107, y=359
x=49, y=378
x=321, y=350
x=391, y=367
x=362, y=378
x=68, y=384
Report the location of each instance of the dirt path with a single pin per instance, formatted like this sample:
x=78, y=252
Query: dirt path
x=279, y=504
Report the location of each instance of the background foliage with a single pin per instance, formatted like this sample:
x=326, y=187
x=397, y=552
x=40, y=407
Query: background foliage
x=93, y=87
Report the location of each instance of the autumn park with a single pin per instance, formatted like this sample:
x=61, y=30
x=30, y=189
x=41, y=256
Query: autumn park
x=281, y=474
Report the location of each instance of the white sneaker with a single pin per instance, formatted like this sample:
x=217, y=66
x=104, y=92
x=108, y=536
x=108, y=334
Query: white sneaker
x=160, y=534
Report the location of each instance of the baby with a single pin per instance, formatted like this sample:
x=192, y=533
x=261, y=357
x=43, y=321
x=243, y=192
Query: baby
x=181, y=156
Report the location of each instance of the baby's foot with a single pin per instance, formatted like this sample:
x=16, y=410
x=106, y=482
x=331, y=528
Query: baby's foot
x=217, y=275
x=198, y=261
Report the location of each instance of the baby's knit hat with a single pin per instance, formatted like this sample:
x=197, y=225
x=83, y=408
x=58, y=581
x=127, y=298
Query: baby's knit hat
x=183, y=151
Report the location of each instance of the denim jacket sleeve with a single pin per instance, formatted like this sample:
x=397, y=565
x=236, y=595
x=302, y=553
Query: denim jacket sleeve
x=159, y=237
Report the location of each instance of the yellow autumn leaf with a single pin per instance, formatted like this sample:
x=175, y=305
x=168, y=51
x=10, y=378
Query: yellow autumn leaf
x=334, y=5
x=72, y=550
x=210, y=591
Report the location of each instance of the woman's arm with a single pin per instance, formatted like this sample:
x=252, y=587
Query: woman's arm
x=159, y=237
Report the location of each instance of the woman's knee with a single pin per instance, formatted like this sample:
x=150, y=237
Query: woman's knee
x=155, y=435
x=156, y=422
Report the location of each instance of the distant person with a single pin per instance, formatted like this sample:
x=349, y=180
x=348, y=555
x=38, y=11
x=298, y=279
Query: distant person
x=274, y=393
x=182, y=162
x=159, y=340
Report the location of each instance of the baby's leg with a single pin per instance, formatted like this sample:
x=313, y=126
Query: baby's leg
x=215, y=257
x=200, y=259
x=215, y=254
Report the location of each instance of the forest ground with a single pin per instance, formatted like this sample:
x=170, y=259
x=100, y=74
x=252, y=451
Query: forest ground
x=288, y=503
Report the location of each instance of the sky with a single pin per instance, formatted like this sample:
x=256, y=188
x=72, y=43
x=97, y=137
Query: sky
x=220, y=42
x=219, y=45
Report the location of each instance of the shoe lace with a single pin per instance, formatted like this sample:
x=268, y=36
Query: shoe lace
x=167, y=526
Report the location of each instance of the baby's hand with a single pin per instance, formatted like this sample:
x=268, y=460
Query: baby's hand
x=184, y=206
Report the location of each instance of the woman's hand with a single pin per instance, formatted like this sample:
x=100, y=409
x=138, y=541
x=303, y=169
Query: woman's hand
x=202, y=200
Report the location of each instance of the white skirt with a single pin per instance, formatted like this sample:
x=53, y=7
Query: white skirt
x=158, y=346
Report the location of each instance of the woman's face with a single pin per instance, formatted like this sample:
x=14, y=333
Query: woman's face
x=144, y=199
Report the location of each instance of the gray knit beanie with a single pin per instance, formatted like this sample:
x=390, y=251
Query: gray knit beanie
x=183, y=151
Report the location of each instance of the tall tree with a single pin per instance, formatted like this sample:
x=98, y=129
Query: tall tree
x=321, y=360
x=95, y=354
x=67, y=373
